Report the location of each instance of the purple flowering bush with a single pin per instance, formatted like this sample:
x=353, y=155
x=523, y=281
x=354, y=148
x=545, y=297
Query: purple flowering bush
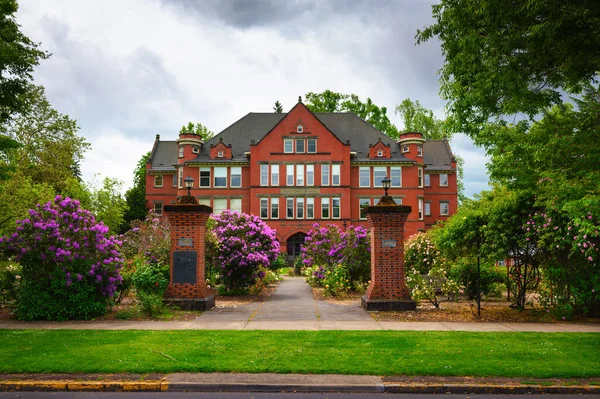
x=337, y=260
x=245, y=243
x=70, y=266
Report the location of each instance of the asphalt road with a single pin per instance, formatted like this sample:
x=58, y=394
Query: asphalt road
x=261, y=395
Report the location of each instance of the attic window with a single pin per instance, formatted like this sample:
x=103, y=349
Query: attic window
x=405, y=149
x=379, y=153
x=196, y=150
x=299, y=129
x=220, y=154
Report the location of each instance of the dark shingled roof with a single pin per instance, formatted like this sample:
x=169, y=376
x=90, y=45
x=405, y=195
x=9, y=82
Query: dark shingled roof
x=165, y=155
x=345, y=126
x=437, y=155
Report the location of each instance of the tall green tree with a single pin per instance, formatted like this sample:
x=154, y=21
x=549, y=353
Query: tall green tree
x=417, y=118
x=49, y=147
x=197, y=128
x=507, y=59
x=278, y=108
x=18, y=56
x=329, y=101
x=135, y=197
x=108, y=205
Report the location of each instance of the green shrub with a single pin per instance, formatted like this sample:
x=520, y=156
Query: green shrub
x=279, y=263
x=150, y=280
x=10, y=281
x=337, y=281
x=431, y=286
x=465, y=273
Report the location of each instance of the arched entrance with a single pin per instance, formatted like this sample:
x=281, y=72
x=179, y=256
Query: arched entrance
x=294, y=246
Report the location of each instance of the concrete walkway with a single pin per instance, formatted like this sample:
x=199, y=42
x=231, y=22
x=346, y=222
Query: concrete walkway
x=292, y=307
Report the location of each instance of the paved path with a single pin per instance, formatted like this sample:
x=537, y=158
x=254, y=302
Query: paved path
x=292, y=307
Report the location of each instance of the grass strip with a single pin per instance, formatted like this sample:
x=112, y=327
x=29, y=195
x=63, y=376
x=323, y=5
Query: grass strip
x=530, y=355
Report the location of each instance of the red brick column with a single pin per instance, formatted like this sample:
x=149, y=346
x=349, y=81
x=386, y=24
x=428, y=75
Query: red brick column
x=387, y=290
x=187, y=287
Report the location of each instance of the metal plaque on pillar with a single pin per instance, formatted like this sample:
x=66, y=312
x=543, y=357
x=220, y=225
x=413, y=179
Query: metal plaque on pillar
x=184, y=267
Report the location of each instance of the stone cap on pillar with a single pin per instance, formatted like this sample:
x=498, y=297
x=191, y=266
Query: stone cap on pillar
x=387, y=205
x=185, y=208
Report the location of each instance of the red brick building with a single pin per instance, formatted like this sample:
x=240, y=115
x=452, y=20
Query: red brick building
x=299, y=168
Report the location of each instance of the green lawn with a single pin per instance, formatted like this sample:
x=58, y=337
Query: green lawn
x=534, y=355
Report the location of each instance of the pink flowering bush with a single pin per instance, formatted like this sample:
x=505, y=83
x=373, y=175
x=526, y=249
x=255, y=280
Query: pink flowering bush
x=337, y=260
x=245, y=243
x=70, y=266
x=421, y=252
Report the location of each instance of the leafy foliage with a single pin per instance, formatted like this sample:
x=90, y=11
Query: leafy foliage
x=278, y=108
x=136, y=195
x=197, y=128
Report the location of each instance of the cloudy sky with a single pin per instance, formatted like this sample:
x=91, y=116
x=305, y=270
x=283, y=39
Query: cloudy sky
x=128, y=70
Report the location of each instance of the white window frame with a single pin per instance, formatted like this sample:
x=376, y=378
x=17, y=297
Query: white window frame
x=180, y=151
x=275, y=175
x=379, y=169
x=220, y=154
x=288, y=201
x=158, y=207
x=233, y=208
x=405, y=149
x=217, y=202
x=325, y=174
x=336, y=171
x=447, y=179
x=420, y=202
x=299, y=175
x=310, y=208
x=217, y=174
x=307, y=146
x=232, y=173
x=420, y=176
x=156, y=179
x=447, y=213
x=427, y=208
x=289, y=142
x=310, y=175
x=379, y=153
x=427, y=179
x=419, y=151
x=289, y=175
x=274, y=208
x=264, y=175
x=180, y=173
x=203, y=179
x=361, y=172
x=299, y=208
x=396, y=169
x=333, y=207
x=363, y=203
x=325, y=205
x=264, y=208
x=299, y=150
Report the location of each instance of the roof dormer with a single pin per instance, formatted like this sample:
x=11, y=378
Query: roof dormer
x=220, y=150
x=379, y=150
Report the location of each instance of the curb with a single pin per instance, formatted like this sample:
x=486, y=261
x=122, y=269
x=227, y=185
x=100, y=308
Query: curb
x=382, y=387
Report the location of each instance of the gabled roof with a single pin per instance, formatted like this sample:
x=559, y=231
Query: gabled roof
x=437, y=155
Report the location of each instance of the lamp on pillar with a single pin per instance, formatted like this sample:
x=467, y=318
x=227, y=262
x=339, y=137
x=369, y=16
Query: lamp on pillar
x=386, y=182
x=386, y=199
x=189, y=183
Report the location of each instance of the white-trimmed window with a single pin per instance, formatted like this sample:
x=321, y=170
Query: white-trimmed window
x=405, y=149
x=274, y=208
x=204, y=177
x=325, y=208
x=174, y=179
x=379, y=153
x=420, y=176
x=363, y=204
x=158, y=181
x=220, y=154
x=427, y=180
x=220, y=177
x=420, y=208
x=311, y=146
x=180, y=152
x=204, y=201
x=289, y=208
x=299, y=208
x=310, y=175
x=264, y=175
x=364, y=176
x=288, y=146
x=427, y=208
x=299, y=146
x=324, y=175
x=335, y=175
x=180, y=173
x=379, y=172
x=158, y=207
x=235, y=205
x=236, y=176
x=289, y=175
x=310, y=208
x=443, y=180
x=444, y=208
x=419, y=151
x=336, y=207
x=275, y=175
x=264, y=208
x=219, y=205
x=299, y=175
x=299, y=129
x=396, y=176
x=397, y=200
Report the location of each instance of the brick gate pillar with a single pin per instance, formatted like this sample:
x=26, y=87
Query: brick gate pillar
x=187, y=285
x=387, y=290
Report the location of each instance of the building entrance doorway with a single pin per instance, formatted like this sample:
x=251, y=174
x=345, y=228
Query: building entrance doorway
x=294, y=246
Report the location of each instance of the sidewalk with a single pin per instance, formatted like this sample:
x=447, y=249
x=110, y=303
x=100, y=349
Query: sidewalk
x=230, y=382
x=292, y=307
